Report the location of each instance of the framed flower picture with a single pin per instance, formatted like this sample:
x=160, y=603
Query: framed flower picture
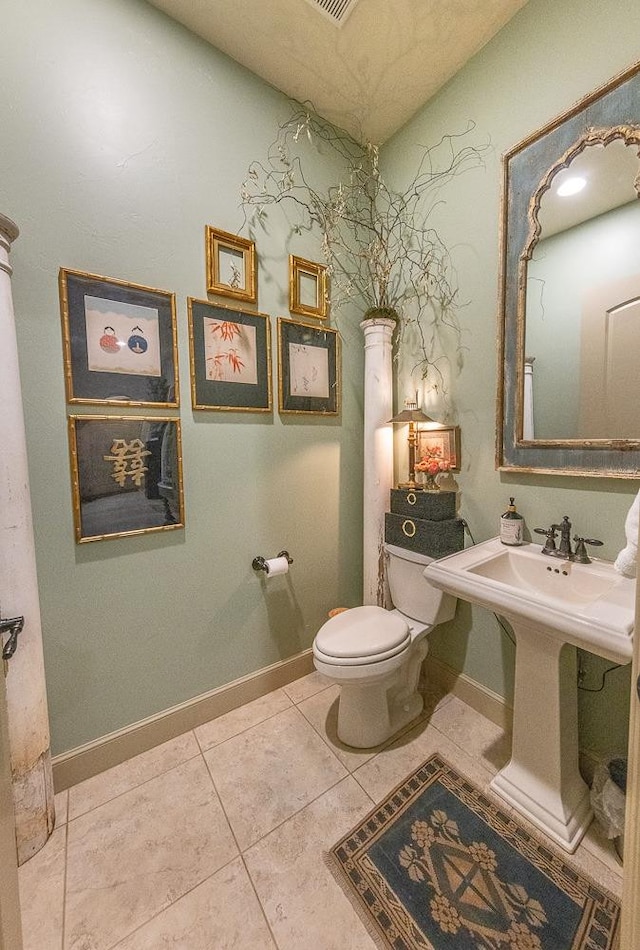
x=230, y=353
x=438, y=450
x=119, y=341
x=308, y=368
x=126, y=475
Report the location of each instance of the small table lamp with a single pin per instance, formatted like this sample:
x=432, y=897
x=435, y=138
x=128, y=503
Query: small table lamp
x=412, y=415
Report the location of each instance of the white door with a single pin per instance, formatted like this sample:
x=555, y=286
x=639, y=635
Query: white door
x=10, y=930
x=609, y=380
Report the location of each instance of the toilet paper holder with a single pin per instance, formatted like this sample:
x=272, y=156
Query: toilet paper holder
x=260, y=563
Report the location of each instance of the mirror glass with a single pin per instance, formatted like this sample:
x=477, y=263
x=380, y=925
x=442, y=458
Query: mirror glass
x=569, y=337
x=582, y=305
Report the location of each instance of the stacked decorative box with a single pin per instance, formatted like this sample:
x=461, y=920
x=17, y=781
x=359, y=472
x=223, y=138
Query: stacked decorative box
x=424, y=522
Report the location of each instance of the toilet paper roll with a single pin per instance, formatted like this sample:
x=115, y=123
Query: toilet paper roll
x=277, y=565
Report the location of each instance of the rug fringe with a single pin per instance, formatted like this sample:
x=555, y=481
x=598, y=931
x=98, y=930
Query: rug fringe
x=367, y=921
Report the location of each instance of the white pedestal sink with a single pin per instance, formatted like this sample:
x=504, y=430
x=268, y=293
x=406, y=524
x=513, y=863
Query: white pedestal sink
x=553, y=606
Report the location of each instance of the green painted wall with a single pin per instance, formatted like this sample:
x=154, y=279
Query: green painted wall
x=547, y=58
x=122, y=135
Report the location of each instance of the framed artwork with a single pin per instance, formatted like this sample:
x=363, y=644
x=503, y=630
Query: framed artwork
x=308, y=368
x=231, y=265
x=126, y=475
x=119, y=341
x=307, y=288
x=230, y=353
x=440, y=445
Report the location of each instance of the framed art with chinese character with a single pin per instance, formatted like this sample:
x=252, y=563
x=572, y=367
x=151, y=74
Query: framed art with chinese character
x=308, y=368
x=307, y=288
x=126, y=475
x=230, y=352
x=438, y=447
x=119, y=341
x=231, y=265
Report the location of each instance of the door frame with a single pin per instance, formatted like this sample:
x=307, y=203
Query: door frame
x=630, y=917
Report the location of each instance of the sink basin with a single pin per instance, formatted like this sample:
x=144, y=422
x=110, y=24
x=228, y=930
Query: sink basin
x=591, y=606
x=553, y=606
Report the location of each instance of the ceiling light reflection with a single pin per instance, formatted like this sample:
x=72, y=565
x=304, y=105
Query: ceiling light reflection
x=571, y=186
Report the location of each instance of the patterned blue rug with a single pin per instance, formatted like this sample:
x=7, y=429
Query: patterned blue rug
x=439, y=865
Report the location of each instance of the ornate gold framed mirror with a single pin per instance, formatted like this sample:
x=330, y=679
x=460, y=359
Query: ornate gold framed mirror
x=569, y=336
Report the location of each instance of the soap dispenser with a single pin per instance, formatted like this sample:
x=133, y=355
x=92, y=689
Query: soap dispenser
x=511, y=525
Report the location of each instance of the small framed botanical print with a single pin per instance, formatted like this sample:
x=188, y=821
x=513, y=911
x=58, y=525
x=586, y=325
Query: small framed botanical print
x=308, y=368
x=126, y=475
x=307, y=288
x=231, y=265
x=119, y=341
x=230, y=352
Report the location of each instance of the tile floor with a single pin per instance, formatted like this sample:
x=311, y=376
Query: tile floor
x=215, y=840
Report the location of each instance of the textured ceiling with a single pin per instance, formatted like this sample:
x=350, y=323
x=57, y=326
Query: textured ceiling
x=368, y=76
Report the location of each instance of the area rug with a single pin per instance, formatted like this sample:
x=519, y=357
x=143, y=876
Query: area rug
x=438, y=865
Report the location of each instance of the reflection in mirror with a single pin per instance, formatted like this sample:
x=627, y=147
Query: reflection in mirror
x=570, y=292
x=582, y=305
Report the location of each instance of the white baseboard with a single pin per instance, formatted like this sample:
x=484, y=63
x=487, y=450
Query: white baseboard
x=474, y=694
x=87, y=760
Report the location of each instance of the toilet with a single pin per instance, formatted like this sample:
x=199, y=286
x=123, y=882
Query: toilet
x=375, y=654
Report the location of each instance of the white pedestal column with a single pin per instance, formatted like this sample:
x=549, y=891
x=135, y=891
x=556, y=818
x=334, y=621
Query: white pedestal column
x=542, y=780
x=26, y=694
x=378, y=452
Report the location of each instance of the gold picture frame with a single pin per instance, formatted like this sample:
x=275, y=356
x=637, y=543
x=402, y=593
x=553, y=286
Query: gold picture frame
x=442, y=443
x=119, y=341
x=231, y=265
x=307, y=288
x=230, y=357
x=126, y=475
x=308, y=368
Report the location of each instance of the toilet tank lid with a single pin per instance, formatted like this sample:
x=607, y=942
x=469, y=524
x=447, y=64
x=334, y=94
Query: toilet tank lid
x=407, y=555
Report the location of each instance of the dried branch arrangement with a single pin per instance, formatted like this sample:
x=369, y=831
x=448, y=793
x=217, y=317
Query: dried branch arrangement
x=378, y=244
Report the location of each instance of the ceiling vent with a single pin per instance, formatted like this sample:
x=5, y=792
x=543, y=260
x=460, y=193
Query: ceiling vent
x=336, y=10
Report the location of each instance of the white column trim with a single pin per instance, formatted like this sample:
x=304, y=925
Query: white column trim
x=26, y=694
x=378, y=452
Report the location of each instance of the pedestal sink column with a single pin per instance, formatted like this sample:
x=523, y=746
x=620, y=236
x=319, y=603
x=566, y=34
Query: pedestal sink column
x=542, y=780
x=26, y=695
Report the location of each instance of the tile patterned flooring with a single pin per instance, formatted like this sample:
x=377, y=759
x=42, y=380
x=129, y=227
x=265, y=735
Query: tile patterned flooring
x=215, y=840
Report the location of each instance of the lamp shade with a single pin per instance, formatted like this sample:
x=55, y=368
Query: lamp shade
x=411, y=414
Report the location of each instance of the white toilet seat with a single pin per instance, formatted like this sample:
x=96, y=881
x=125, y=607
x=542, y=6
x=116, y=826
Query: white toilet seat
x=362, y=636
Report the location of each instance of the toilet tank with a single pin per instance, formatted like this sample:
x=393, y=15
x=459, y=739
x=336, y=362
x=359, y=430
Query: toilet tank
x=411, y=592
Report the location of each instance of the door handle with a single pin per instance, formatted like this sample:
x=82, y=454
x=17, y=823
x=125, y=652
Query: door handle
x=13, y=627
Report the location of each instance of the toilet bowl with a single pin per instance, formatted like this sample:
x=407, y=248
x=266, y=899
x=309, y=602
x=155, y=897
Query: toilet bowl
x=375, y=654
